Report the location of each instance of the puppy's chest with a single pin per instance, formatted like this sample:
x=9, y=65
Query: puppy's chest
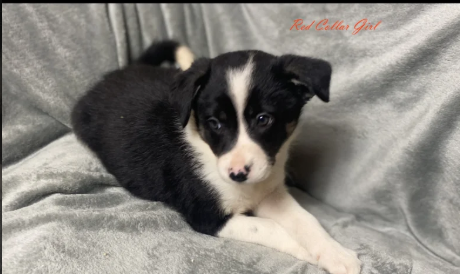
x=238, y=199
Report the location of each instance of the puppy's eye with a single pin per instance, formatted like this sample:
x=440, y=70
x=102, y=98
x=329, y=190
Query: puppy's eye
x=214, y=123
x=264, y=119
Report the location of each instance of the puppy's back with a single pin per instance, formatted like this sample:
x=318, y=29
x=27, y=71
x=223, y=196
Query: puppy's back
x=128, y=90
x=125, y=91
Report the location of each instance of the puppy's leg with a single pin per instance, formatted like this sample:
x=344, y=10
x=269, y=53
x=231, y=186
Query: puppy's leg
x=264, y=232
x=305, y=228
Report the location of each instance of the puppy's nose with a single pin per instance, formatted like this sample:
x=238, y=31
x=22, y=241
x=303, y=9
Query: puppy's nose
x=239, y=174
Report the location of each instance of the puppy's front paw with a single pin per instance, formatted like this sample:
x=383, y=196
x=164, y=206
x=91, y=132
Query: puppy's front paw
x=336, y=259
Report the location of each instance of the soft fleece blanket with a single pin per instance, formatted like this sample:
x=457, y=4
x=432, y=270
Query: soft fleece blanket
x=379, y=165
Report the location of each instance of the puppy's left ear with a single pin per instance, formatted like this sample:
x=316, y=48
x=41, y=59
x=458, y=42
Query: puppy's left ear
x=313, y=74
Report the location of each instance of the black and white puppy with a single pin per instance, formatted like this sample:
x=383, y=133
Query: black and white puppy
x=211, y=140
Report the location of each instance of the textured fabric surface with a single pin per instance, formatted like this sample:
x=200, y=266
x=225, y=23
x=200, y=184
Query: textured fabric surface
x=379, y=164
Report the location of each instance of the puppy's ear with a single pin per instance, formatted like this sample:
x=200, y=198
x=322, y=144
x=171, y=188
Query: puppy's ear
x=312, y=76
x=186, y=87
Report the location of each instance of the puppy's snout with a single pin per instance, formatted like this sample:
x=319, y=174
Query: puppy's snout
x=239, y=173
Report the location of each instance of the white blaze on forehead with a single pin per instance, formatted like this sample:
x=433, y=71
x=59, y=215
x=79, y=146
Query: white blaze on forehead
x=246, y=151
x=239, y=82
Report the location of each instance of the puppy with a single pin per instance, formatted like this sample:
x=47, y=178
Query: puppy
x=211, y=140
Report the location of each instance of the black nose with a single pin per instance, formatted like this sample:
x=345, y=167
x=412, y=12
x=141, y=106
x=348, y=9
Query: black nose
x=240, y=177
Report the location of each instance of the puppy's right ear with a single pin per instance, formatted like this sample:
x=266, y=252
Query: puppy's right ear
x=186, y=86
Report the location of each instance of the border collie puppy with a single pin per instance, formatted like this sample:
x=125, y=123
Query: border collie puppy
x=211, y=140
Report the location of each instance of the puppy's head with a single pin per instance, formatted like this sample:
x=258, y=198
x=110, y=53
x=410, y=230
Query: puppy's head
x=246, y=105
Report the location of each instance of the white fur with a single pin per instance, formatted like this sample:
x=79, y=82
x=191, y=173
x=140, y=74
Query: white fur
x=246, y=151
x=239, y=81
x=265, y=232
x=281, y=207
x=281, y=223
x=235, y=198
x=184, y=57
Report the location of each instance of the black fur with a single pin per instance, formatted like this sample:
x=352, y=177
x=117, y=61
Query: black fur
x=130, y=121
x=186, y=86
x=134, y=118
x=157, y=53
x=272, y=92
x=315, y=74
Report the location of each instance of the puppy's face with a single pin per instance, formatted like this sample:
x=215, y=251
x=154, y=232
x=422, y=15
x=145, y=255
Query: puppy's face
x=247, y=104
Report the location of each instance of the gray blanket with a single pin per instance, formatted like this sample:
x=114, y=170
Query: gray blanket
x=379, y=165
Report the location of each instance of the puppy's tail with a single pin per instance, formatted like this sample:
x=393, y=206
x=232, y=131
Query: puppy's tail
x=167, y=50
